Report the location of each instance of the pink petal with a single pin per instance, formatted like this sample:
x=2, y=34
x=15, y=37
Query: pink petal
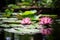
x=22, y=22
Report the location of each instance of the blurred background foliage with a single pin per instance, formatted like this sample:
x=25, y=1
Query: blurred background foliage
x=42, y=3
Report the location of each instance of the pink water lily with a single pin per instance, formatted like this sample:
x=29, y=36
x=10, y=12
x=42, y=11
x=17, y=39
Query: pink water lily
x=45, y=20
x=26, y=21
x=46, y=31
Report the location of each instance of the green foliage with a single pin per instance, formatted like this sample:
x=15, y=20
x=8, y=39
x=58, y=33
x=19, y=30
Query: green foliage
x=8, y=12
x=30, y=14
x=52, y=16
x=25, y=3
x=13, y=6
x=47, y=3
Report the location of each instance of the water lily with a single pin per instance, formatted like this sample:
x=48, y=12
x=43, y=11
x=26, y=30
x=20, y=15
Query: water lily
x=45, y=20
x=26, y=21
